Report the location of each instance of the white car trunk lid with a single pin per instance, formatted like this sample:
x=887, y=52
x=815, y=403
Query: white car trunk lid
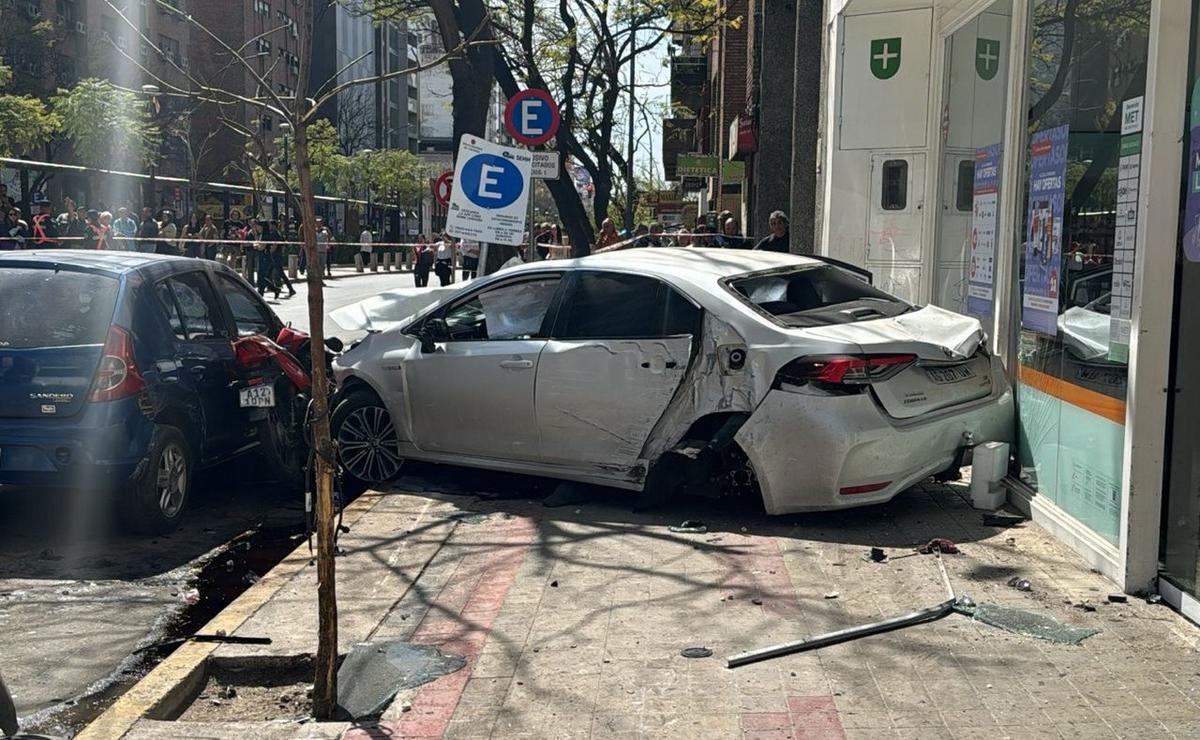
x=948, y=371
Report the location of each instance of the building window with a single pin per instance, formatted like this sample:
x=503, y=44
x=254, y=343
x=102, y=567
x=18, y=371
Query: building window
x=262, y=7
x=964, y=195
x=169, y=48
x=894, y=193
x=264, y=46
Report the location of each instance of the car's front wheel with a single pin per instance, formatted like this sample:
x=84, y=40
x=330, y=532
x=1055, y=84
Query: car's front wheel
x=158, y=492
x=368, y=445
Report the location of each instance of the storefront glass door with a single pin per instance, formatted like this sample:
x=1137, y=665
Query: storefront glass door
x=1086, y=75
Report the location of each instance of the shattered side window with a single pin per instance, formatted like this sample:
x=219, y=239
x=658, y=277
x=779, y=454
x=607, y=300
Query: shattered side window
x=513, y=311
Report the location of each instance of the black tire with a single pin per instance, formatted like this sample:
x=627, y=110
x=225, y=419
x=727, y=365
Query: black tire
x=281, y=437
x=157, y=493
x=367, y=443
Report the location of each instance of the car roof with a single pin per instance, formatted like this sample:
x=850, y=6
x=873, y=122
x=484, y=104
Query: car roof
x=114, y=263
x=702, y=267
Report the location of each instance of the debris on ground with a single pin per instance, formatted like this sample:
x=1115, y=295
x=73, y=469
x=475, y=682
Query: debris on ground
x=832, y=595
x=878, y=555
x=941, y=544
x=756, y=602
x=1021, y=584
x=1027, y=624
x=553, y=584
x=251, y=578
x=567, y=493
x=1086, y=606
x=190, y=596
x=1002, y=519
x=690, y=526
x=1154, y=599
x=696, y=652
x=1118, y=599
x=374, y=672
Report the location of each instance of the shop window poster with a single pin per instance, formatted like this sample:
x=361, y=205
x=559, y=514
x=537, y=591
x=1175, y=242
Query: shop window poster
x=1043, y=242
x=982, y=270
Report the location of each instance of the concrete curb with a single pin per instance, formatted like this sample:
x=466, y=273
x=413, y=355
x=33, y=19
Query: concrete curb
x=165, y=689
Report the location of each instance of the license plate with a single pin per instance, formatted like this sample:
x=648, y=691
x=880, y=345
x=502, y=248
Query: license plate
x=955, y=374
x=257, y=396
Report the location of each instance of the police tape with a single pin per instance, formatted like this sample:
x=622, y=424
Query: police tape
x=236, y=242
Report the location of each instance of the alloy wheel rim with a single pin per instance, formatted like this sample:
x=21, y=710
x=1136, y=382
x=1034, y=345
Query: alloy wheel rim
x=368, y=446
x=172, y=481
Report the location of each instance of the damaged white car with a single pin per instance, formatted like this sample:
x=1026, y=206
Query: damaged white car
x=712, y=372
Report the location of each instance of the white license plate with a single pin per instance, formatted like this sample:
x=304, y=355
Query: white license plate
x=257, y=396
x=955, y=374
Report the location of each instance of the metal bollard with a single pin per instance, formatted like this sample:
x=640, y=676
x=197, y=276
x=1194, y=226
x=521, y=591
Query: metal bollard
x=387, y=261
x=374, y=262
x=293, y=266
x=358, y=262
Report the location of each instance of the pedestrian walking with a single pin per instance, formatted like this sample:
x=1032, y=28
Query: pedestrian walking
x=422, y=262
x=731, y=237
x=364, y=246
x=15, y=232
x=443, y=264
x=168, y=232
x=608, y=235
x=71, y=224
x=250, y=251
x=468, y=251
x=324, y=248
x=208, y=232
x=191, y=231
x=44, y=227
x=278, y=254
x=147, y=231
x=124, y=229
x=232, y=232
x=780, y=239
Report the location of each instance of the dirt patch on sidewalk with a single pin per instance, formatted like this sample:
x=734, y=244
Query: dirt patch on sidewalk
x=253, y=694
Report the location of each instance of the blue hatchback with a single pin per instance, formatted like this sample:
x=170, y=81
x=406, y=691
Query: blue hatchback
x=124, y=371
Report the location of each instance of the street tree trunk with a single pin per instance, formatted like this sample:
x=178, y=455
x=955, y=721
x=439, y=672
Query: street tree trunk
x=325, y=678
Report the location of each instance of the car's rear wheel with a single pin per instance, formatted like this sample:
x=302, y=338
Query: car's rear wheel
x=158, y=492
x=368, y=445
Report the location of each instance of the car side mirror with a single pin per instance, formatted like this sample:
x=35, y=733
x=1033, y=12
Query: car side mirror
x=334, y=344
x=433, y=331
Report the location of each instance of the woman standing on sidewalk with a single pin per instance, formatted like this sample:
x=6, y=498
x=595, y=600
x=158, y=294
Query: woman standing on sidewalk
x=422, y=262
x=444, y=260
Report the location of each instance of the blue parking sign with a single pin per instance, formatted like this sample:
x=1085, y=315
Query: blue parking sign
x=490, y=181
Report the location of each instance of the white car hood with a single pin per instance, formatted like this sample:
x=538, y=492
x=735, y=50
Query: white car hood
x=391, y=308
x=931, y=332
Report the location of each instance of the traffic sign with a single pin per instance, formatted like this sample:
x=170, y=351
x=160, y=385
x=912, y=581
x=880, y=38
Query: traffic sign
x=545, y=165
x=531, y=117
x=491, y=191
x=442, y=187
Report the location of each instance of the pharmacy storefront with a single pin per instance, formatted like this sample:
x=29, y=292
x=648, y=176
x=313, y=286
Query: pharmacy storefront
x=1054, y=202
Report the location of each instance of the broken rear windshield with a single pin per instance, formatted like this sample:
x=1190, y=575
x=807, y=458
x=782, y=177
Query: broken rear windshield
x=815, y=296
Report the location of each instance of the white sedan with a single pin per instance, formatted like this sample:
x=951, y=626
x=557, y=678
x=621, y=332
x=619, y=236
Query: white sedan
x=712, y=372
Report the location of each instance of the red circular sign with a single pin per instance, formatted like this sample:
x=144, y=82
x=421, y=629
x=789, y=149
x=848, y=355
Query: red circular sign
x=531, y=128
x=442, y=187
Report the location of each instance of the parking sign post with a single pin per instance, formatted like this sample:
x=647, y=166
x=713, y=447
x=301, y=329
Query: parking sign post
x=532, y=119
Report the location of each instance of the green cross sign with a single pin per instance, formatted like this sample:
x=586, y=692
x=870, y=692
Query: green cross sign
x=885, y=57
x=987, y=58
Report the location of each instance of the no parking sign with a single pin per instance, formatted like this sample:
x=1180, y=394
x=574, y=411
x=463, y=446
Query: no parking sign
x=491, y=190
x=531, y=117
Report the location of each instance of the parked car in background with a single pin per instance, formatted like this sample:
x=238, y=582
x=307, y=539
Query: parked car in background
x=132, y=371
x=716, y=372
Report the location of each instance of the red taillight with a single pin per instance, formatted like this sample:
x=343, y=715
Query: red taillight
x=845, y=370
x=118, y=375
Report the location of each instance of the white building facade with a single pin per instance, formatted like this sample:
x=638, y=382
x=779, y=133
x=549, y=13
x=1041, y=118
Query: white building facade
x=1024, y=161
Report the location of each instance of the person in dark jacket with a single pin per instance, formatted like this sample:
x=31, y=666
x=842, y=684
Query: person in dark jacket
x=780, y=239
x=43, y=226
x=15, y=233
